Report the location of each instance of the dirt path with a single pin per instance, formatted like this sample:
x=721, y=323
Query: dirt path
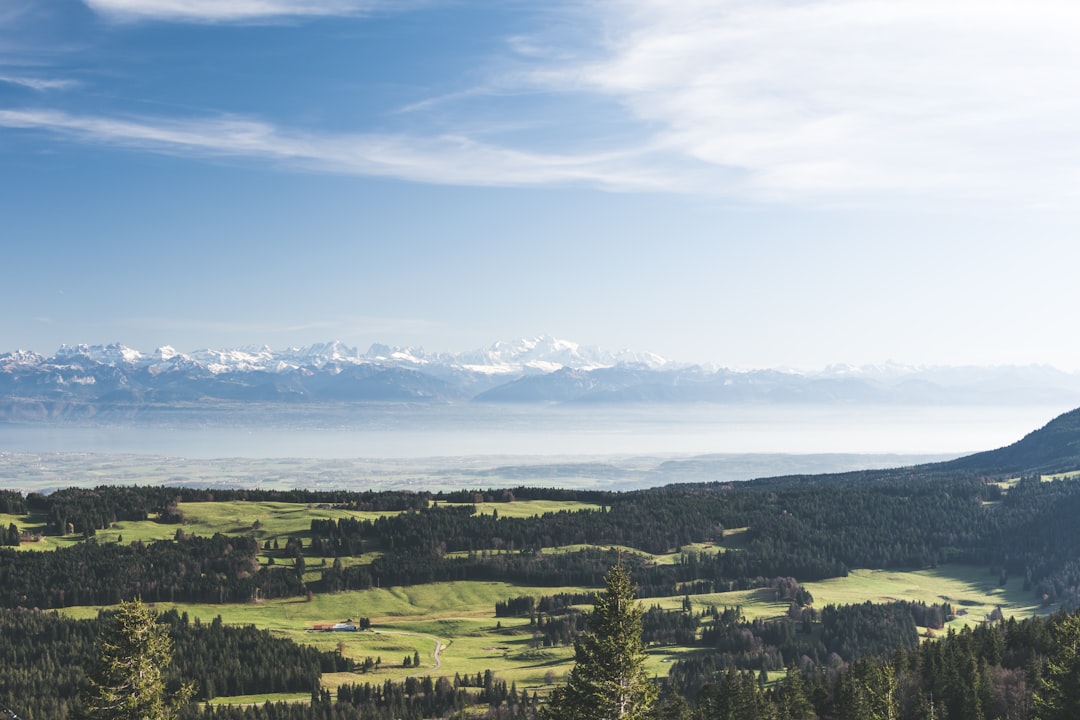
x=439, y=646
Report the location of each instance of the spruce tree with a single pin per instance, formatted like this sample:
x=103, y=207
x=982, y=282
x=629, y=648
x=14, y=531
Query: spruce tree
x=1058, y=693
x=128, y=680
x=608, y=681
x=795, y=698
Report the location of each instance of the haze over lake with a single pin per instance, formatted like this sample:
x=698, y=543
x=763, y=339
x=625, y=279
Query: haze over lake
x=462, y=431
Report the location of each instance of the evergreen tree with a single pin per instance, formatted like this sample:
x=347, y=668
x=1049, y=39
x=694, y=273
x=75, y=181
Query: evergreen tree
x=794, y=698
x=867, y=691
x=608, y=681
x=128, y=680
x=1058, y=695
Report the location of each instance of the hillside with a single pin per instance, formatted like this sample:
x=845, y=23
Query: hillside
x=1055, y=447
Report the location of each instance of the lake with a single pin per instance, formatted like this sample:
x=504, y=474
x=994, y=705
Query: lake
x=461, y=431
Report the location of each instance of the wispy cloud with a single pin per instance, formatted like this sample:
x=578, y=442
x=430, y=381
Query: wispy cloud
x=223, y=11
x=443, y=159
x=807, y=102
x=40, y=84
x=848, y=97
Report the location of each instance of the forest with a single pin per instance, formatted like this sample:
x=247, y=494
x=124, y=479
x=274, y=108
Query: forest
x=808, y=528
x=835, y=661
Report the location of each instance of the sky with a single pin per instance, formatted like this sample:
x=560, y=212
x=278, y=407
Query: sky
x=760, y=183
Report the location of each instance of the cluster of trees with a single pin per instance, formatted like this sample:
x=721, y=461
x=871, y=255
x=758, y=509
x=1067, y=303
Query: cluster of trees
x=45, y=657
x=806, y=638
x=527, y=605
x=11, y=535
x=426, y=698
x=12, y=503
x=656, y=528
x=190, y=569
x=1008, y=670
x=85, y=510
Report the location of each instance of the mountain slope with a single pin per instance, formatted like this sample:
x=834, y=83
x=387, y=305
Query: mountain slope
x=1055, y=447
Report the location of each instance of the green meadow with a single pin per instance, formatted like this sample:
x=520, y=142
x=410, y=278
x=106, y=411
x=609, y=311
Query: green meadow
x=459, y=619
x=452, y=626
x=265, y=521
x=973, y=591
x=526, y=508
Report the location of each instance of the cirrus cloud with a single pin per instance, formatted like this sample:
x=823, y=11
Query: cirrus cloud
x=221, y=11
x=445, y=159
x=848, y=97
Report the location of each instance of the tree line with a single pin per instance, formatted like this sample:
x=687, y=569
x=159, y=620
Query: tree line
x=217, y=569
x=808, y=528
x=45, y=657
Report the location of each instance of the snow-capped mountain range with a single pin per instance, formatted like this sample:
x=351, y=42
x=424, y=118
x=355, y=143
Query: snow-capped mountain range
x=539, y=354
x=88, y=379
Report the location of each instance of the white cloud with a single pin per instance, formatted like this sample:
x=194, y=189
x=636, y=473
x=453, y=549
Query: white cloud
x=40, y=84
x=444, y=159
x=217, y=11
x=846, y=101
x=834, y=98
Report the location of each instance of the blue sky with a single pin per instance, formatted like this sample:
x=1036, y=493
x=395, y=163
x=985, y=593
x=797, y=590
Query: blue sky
x=753, y=184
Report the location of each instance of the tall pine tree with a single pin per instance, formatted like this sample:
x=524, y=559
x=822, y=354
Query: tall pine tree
x=1058, y=694
x=128, y=680
x=608, y=681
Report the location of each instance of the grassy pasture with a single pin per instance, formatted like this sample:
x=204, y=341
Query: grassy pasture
x=458, y=618
x=733, y=540
x=527, y=508
x=260, y=699
x=968, y=588
x=1061, y=476
x=459, y=615
x=276, y=521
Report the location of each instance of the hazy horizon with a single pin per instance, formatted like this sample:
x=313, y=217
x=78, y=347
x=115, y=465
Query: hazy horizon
x=470, y=430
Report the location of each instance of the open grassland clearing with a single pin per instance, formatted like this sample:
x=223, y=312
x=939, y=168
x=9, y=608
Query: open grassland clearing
x=1061, y=476
x=265, y=521
x=733, y=540
x=757, y=603
x=527, y=508
x=453, y=629
x=406, y=620
x=973, y=591
x=260, y=699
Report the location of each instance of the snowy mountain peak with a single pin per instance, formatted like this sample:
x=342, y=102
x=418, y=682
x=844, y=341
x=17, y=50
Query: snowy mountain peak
x=546, y=353
x=20, y=357
x=387, y=353
x=531, y=355
x=166, y=352
x=112, y=354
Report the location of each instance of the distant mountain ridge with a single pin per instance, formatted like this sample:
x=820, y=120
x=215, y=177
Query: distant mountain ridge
x=86, y=378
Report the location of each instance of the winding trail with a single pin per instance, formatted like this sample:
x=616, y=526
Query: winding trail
x=439, y=646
